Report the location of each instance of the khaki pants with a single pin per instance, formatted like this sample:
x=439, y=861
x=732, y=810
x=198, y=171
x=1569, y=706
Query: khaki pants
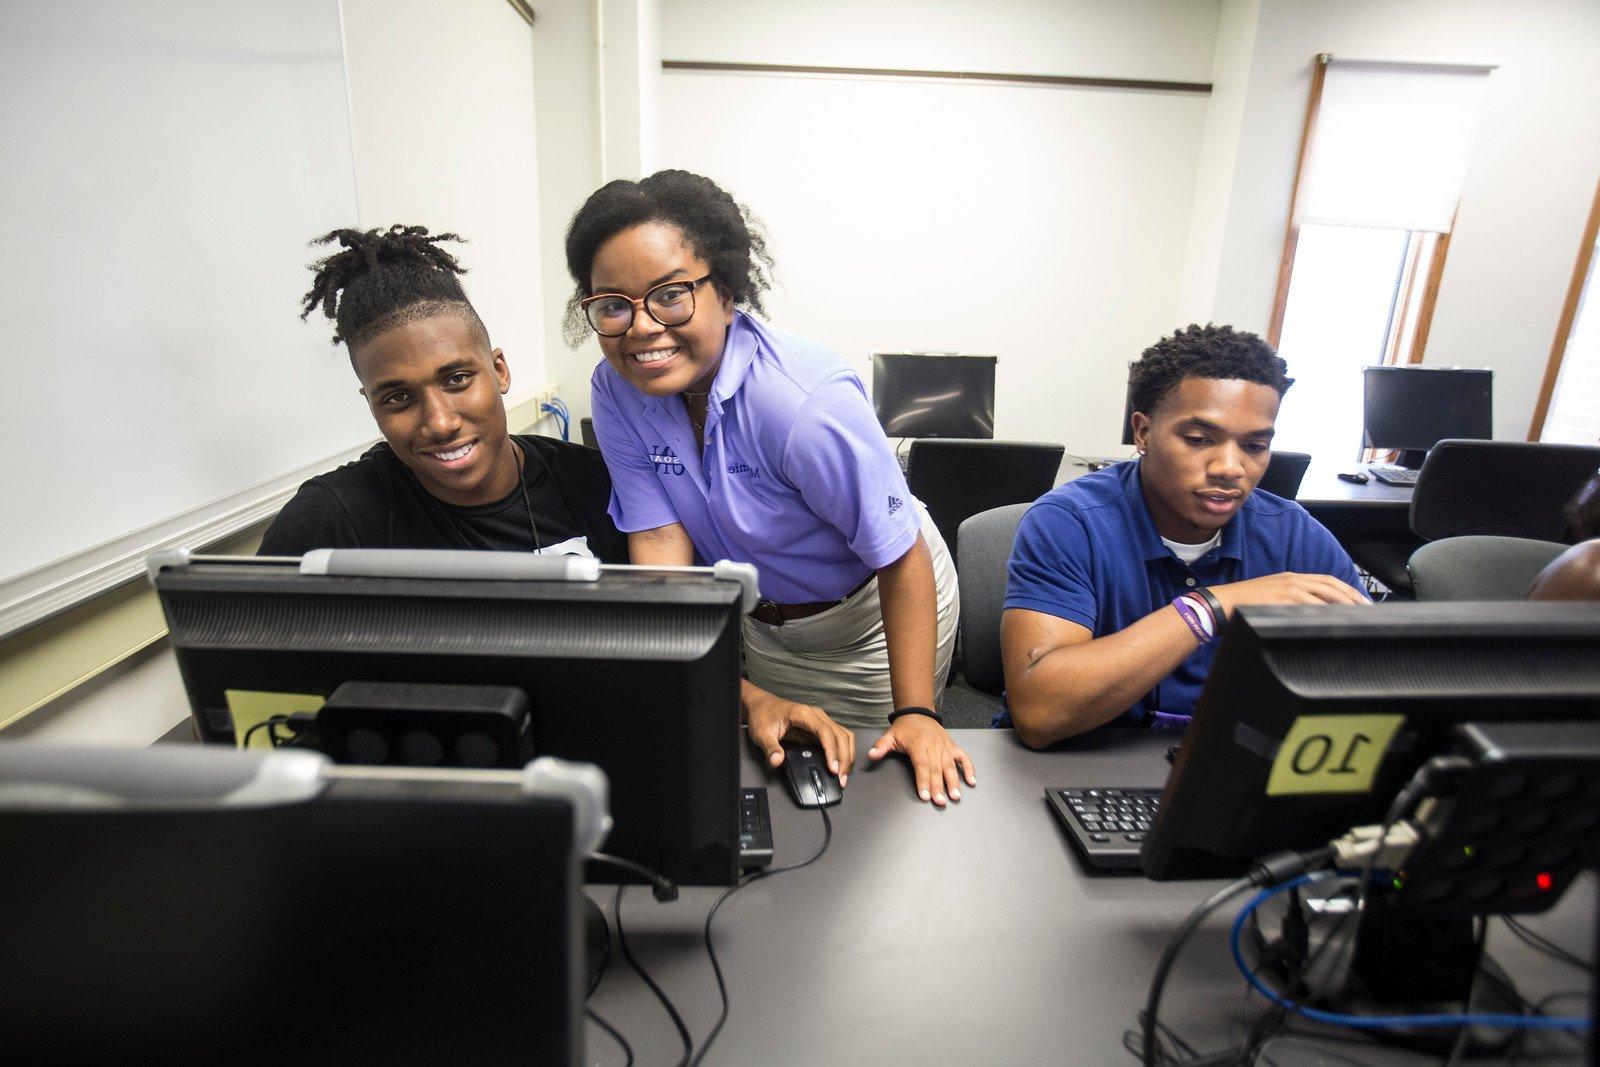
x=839, y=659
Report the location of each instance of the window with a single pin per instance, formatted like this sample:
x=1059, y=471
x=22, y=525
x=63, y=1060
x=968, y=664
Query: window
x=1383, y=159
x=1569, y=403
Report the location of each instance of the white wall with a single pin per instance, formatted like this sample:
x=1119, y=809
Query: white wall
x=1168, y=40
x=1528, y=190
x=442, y=121
x=416, y=161
x=1219, y=150
x=566, y=70
x=1046, y=225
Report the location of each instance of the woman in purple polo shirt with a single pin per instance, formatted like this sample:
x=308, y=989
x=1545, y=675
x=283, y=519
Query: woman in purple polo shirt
x=727, y=439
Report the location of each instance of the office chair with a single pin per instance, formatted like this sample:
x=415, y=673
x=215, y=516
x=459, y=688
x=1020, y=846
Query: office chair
x=1505, y=488
x=1285, y=471
x=1479, y=568
x=981, y=573
x=586, y=431
x=959, y=478
x=1500, y=488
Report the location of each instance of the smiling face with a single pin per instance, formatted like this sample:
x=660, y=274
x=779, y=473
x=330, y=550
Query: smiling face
x=655, y=359
x=434, y=388
x=1205, y=447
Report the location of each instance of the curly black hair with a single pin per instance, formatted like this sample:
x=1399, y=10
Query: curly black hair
x=1204, y=352
x=386, y=278
x=718, y=229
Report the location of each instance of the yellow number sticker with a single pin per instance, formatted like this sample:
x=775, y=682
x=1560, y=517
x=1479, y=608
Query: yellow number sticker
x=1331, y=754
x=249, y=708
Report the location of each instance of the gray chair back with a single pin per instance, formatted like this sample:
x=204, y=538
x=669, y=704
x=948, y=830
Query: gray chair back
x=983, y=552
x=1505, y=488
x=1479, y=567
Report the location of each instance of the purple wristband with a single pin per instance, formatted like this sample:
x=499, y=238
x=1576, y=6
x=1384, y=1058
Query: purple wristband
x=1190, y=614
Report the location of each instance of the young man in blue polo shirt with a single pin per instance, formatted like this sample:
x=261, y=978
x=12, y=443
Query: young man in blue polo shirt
x=1120, y=581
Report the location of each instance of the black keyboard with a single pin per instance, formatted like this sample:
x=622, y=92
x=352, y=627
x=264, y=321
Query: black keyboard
x=755, y=829
x=1402, y=476
x=1107, y=826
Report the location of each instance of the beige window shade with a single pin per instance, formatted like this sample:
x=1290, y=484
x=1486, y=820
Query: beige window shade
x=1392, y=143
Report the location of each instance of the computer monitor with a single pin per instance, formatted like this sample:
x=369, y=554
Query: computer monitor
x=928, y=394
x=636, y=671
x=184, y=903
x=1414, y=408
x=1290, y=742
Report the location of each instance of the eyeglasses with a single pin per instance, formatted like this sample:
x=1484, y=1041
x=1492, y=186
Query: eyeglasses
x=670, y=304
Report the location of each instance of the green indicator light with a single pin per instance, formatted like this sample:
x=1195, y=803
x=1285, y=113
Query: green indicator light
x=1399, y=883
x=1469, y=851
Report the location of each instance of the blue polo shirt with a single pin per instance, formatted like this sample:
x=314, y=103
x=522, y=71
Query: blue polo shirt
x=1088, y=552
x=797, y=476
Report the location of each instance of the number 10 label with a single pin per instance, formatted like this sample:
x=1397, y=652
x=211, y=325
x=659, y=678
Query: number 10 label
x=1331, y=754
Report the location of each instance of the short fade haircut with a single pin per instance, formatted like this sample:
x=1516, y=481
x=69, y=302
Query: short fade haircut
x=387, y=278
x=1208, y=351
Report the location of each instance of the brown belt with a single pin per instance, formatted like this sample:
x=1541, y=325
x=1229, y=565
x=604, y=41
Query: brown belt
x=777, y=614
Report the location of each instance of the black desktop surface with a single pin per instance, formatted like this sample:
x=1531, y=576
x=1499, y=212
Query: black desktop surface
x=637, y=673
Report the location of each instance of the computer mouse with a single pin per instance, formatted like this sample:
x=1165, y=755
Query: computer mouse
x=1358, y=477
x=810, y=782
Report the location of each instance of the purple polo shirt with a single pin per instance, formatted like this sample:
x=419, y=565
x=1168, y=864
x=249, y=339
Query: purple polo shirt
x=797, y=476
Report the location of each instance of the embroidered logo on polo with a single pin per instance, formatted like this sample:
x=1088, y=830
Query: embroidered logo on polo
x=666, y=460
x=895, y=504
x=744, y=468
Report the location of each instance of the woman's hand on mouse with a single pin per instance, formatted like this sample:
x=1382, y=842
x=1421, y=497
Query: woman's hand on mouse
x=772, y=719
x=937, y=763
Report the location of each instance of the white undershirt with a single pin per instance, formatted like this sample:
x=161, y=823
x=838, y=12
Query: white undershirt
x=1190, y=553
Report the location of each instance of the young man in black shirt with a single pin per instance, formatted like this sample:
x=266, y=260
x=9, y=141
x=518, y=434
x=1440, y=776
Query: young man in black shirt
x=448, y=474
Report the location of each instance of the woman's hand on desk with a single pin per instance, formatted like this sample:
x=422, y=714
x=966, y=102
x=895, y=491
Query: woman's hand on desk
x=937, y=762
x=772, y=719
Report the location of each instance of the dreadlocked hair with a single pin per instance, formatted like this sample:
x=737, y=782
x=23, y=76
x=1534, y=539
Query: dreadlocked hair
x=1204, y=352
x=387, y=278
x=717, y=228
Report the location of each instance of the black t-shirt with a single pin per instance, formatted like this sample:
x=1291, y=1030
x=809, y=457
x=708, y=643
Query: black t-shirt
x=376, y=502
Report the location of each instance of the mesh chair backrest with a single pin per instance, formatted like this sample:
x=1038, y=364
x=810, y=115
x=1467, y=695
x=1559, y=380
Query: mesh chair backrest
x=1285, y=471
x=957, y=479
x=984, y=549
x=1504, y=488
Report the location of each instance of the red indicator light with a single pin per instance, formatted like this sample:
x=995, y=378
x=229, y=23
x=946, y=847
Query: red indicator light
x=1543, y=881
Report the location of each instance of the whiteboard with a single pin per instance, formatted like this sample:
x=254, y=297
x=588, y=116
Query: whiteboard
x=165, y=165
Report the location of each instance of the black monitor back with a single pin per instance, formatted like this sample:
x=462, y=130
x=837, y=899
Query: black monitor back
x=1437, y=664
x=637, y=673
x=1414, y=408
x=921, y=394
x=377, y=923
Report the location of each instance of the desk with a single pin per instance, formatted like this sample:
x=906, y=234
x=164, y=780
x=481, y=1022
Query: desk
x=966, y=936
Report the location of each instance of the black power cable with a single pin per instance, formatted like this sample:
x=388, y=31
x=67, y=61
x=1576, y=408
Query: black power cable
x=1539, y=943
x=666, y=1002
x=627, y=1049
x=716, y=967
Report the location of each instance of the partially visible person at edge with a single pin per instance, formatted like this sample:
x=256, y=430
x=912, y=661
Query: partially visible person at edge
x=728, y=439
x=447, y=474
x=1575, y=574
x=1121, y=580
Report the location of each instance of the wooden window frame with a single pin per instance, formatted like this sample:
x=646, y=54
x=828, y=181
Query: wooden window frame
x=1291, y=240
x=1569, y=315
